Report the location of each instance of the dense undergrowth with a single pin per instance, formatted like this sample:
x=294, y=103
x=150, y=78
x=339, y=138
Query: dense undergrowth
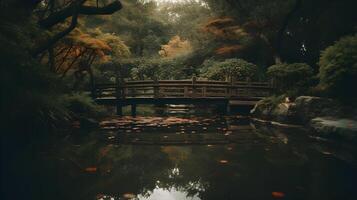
x=44, y=93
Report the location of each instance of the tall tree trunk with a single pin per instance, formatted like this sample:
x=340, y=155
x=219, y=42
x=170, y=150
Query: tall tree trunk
x=280, y=35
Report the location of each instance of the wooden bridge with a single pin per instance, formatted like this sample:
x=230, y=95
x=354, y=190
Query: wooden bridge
x=191, y=91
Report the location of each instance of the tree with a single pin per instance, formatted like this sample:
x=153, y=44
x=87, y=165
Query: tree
x=34, y=30
x=292, y=30
x=338, y=68
x=186, y=19
x=146, y=70
x=294, y=79
x=51, y=13
x=266, y=20
x=138, y=25
x=230, y=69
x=175, y=47
x=79, y=51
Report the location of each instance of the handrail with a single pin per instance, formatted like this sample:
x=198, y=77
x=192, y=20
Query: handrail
x=205, y=83
x=183, y=88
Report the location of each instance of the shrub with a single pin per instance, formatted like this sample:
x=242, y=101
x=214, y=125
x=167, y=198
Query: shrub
x=237, y=69
x=292, y=79
x=80, y=103
x=145, y=69
x=267, y=105
x=338, y=68
x=30, y=94
x=161, y=68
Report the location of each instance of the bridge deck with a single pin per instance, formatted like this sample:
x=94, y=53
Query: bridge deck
x=181, y=92
x=177, y=100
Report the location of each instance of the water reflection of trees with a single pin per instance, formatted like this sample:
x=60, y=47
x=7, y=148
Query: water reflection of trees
x=261, y=161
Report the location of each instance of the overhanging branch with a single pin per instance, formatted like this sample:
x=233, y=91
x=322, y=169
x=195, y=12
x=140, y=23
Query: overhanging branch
x=74, y=10
x=63, y=14
x=58, y=36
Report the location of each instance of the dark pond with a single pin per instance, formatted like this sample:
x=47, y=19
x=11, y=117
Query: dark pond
x=191, y=157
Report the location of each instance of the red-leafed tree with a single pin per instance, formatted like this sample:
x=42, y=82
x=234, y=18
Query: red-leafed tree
x=60, y=17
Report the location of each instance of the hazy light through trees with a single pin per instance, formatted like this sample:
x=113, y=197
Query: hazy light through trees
x=176, y=1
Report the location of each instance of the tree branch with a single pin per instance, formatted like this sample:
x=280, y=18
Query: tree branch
x=289, y=16
x=58, y=36
x=72, y=63
x=63, y=14
x=64, y=58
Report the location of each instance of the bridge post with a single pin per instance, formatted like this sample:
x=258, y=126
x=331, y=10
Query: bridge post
x=230, y=87
x=249, y=89
x=119, y=109
x=119, y=92
x=204, y=91
x=194, y=80
x=186, y=93
x=156, y=88
x=133, y=110
x=228, y=108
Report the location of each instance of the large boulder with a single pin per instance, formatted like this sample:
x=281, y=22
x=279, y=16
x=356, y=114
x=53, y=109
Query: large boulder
x=275, y=111
x=325, y=117
x=335, y=128
x=308, y=107
x=285, y=113
x=301, y=111
x=262, y=110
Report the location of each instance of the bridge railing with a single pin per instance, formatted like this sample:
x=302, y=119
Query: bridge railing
x=183, y=89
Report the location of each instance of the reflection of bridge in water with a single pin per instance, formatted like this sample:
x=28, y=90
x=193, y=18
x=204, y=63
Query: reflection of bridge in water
x=199, y=92
x=179, y=131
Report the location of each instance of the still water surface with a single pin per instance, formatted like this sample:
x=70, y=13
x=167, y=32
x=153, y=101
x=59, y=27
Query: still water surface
x=194, y=158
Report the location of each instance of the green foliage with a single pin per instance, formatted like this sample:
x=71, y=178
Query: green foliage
x=186, y=19
x=177, y=68
x=81, y=103
x=274, y=100
x=30, y=94
x=338, y=68
x=314, y=30
x=237, y=69
x=137, y=25
x=145, y=69
x=270, y=103
x=32, y=101
x=269, y=107
x=161, y=68
x=118, y=48
x=293, y=79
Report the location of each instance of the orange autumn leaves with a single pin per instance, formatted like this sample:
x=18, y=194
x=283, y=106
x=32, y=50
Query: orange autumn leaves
x=87, y=47
x=77, y=48
x=89, y=41
x=225, y=28
x=175, y=47
x=278, y=195
x=90, y=169
x=229, y=49
x=231, y=33
x=221, y=28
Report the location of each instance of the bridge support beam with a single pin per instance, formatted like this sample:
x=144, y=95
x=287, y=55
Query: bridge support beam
x=119, y=109
x=228, y=108
x=133, y=110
